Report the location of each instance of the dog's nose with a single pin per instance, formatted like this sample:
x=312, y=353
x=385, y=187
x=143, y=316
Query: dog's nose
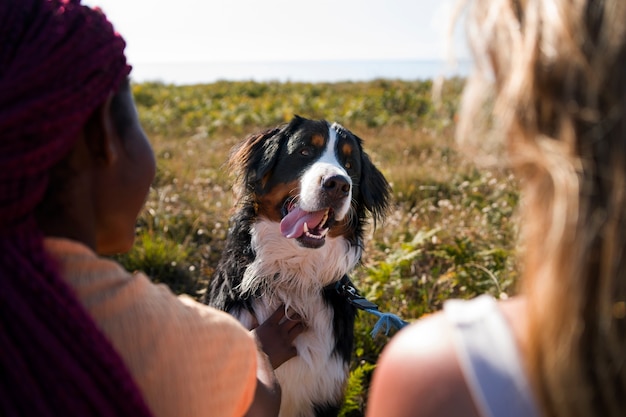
x=336, y=186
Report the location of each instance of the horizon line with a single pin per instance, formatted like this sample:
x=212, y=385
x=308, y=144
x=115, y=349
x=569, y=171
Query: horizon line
x=298, y=61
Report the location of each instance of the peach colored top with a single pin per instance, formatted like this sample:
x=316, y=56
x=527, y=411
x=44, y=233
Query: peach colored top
x=187, y=359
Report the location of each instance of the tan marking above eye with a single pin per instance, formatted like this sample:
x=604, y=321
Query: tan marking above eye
x=347, y=149
x=317, y=140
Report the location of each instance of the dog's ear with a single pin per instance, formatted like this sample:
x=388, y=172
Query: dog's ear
x=374, y=189
x=254, y=158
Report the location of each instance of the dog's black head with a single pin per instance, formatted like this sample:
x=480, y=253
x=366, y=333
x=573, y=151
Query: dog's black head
x=313, y=178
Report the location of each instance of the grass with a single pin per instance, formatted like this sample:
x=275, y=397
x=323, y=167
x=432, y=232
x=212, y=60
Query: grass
x=450, y=232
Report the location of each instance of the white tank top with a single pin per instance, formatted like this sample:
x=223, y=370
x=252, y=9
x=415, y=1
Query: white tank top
x=489, y=358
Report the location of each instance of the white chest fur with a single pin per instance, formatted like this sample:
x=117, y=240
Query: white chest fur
x=316, y=374
x=285, y=273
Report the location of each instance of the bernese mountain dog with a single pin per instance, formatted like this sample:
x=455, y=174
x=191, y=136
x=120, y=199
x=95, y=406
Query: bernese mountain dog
x=305, y=192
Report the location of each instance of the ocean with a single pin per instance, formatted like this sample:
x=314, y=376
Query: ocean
x=295, y=71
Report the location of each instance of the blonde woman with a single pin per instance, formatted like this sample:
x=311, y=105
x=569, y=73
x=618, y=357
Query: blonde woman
x=554, y=74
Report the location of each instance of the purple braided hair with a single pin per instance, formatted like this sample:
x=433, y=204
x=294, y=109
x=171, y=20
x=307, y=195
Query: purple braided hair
x=59, y=60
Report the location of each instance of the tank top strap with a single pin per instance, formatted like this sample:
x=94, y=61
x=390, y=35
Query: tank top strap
x=489, y=358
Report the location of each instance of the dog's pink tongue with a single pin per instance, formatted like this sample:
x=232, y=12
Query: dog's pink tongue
x=292, y=225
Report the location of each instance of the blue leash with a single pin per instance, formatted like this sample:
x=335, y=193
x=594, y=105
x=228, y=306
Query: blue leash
x=387, y=320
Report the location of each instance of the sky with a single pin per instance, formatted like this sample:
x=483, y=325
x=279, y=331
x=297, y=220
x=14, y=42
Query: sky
x=282, y=30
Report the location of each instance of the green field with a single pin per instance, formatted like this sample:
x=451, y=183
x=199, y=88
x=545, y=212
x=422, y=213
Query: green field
x=450, y=231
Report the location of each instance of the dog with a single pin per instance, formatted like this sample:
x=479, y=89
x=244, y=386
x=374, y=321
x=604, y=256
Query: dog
x=305, y=192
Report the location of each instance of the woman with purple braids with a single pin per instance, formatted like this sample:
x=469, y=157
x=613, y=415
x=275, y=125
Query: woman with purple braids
x=79, y=335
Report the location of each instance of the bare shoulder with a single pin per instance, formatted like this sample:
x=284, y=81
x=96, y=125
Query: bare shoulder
x=418, y=374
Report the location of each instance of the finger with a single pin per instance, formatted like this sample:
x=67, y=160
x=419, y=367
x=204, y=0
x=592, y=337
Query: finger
x=277, y=315
x=284, y=357
x=287, y=325
x=292, y=315
x=290, y=353
x=295, y=331
x=293, y=352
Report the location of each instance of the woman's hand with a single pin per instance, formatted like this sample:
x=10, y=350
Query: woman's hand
x=275, y=339
x=276, y=336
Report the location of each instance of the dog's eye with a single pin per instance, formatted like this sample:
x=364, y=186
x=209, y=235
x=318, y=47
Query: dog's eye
x=306, y=151
x=348, y=165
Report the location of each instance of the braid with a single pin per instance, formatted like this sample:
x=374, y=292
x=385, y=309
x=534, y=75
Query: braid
x=59, y=61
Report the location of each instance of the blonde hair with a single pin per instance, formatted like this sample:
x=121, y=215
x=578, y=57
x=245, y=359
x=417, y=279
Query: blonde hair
x=550, y=84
